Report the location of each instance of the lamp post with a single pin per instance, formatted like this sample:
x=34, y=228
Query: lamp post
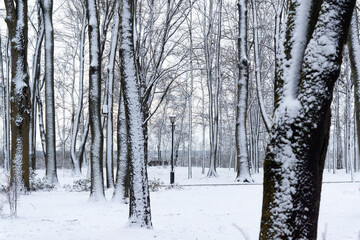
x=172, y=174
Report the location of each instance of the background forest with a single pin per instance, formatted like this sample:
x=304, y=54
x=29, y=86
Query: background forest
x=82, y=80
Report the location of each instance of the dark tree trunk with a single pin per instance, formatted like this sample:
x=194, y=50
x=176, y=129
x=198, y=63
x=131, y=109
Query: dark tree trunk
x=16, y=20
x=296, y=153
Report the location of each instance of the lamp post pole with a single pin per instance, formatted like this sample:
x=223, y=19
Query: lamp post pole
x=172, y=173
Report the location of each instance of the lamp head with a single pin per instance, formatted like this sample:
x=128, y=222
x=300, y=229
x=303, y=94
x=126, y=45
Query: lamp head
x=172, y=118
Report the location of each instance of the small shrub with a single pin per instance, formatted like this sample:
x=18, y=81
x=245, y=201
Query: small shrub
x=81, y=185
x=155, y=185
x=174, y=186
x=38, y=184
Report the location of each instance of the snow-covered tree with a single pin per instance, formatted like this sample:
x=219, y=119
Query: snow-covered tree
x=308, y=64
x=140, y=213
x=96, y=149
x=50, y=159
x=354, y=55
x=16, y=19
x=243, y=168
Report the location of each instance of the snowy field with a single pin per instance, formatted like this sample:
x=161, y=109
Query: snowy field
x=225, y=212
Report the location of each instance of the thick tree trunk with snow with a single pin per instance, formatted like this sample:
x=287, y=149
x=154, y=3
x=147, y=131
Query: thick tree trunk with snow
x=295, y=156
x=50, y=160
x=16, y=19
x=140, y=214
x=96, y=149
x=243, y=168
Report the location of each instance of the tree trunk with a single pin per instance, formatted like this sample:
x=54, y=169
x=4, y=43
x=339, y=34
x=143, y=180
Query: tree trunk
x=121, y=192
x=354, y=55
x=6, y=147
x=190, y=93
x=243, y=168
x=295, y=156
x=34, y=83
x=139, y=212
x=264, y=115
x=16, y=20
x=77, y=159
x=50, y=161
x=96, y=149
x=109, y=130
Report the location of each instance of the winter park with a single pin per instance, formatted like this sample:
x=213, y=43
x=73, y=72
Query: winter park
x=179, y=119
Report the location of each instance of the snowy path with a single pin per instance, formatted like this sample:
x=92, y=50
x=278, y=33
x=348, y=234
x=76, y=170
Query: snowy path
x=216, y=213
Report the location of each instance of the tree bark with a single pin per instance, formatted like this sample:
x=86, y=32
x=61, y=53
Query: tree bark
x=121, y=192
x=354, y=55
x=77, y=158
x=50, y=160
x=140, y=213
x=109, y=130
x=243, y=168
x=296, y=153
x=96, y=149
x=16, y=19
x=34, y=83
x=6, y=147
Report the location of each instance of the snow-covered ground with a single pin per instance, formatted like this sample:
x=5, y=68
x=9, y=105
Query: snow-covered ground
x=188, y=213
